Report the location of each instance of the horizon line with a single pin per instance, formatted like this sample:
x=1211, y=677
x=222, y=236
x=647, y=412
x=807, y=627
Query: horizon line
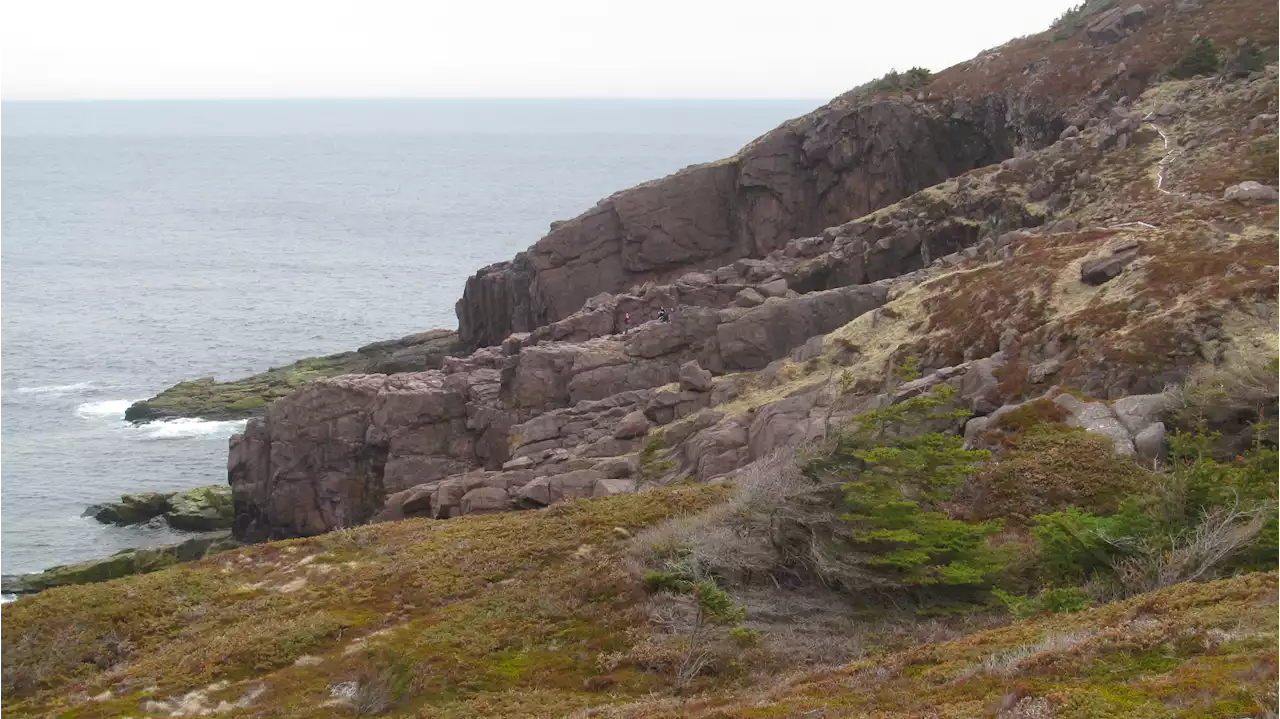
x=513, y=98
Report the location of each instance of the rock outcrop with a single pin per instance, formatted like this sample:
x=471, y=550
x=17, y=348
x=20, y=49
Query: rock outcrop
x=838, y=163
x=1039, y=271
x=207, y=398
x=200, y=509
x=124, y=563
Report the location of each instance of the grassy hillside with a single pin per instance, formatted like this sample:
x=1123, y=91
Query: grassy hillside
x=1196, y=650
x=484, y=616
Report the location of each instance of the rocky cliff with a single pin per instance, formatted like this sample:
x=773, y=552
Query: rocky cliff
x=838, y=163
x=973, y=237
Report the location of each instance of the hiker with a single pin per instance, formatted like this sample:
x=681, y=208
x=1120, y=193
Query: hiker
x=626, y=322
x=664, y=315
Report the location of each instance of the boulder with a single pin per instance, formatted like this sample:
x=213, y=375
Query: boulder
x=693, y=377
x=784, y=423
x=1149, y=443
x=1251, y=191
x=1096, y=417
x=774, y=288
x=634, y=424
x=544, y=491
x=751, y=339
x=748, y=297
x=610, y=487
x=201, y=509
x=447, y=500
x=417, y=500
x=1103, y=269
x=812, y=348
x=484, y=500
x=1139, y=411
x=1113, y=25
x=131, y=509
x=617, y=467
x=717, y=450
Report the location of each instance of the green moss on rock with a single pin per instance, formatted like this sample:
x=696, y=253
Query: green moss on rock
x=201, y=509
x=208, y=398
x=124, y=563
x=132, y=508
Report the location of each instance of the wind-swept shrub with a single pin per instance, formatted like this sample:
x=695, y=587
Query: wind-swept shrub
x=1204, y=518
x=894, y=81
x=883, y=482
x=861, y=511
x=1199, y=59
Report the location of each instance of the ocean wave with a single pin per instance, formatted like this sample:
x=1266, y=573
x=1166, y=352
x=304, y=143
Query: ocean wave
x=190, y=427
x=76, y=388
x=108, y=409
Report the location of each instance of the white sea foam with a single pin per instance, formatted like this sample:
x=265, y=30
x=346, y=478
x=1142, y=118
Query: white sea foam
x=189, y=427
x=106, y=409
x=76, y=388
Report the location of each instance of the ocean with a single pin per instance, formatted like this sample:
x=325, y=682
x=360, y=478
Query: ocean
x=144, y=243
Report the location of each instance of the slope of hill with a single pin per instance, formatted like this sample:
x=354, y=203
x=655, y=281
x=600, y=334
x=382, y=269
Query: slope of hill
x=968, y=392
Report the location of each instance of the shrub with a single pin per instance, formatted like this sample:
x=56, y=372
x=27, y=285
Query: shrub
x=1202, y=519
x=1049, y=601
x=1033, y=413
x=889, y=479
x=716, y=616
x=1074, y=544
x=894, y=81
x=1245, y=59
x=909, y=369
x=1230, y=398
x=1049, y=467
x=1197, y=555
x=1199, y=59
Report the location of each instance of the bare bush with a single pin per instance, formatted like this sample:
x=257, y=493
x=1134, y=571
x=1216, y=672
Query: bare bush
x=371, y=694
x=1028, y=708
x=1195, y=556
x=731, y=540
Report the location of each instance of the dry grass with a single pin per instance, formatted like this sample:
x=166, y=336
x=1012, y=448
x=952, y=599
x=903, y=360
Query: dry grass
x=462, y=614
x=1059, y=64
x=1197, y=650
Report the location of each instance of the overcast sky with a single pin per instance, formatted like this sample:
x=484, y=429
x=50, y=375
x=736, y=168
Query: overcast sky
x=133, y=49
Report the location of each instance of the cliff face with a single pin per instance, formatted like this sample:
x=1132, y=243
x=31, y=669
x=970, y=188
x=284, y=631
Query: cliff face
x=830, y=166
x=977, y=240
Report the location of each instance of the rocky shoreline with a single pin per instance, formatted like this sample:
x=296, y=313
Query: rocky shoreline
x=210, y=399
x=125, y=563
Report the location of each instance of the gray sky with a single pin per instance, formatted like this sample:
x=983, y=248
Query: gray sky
x=95, y=49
